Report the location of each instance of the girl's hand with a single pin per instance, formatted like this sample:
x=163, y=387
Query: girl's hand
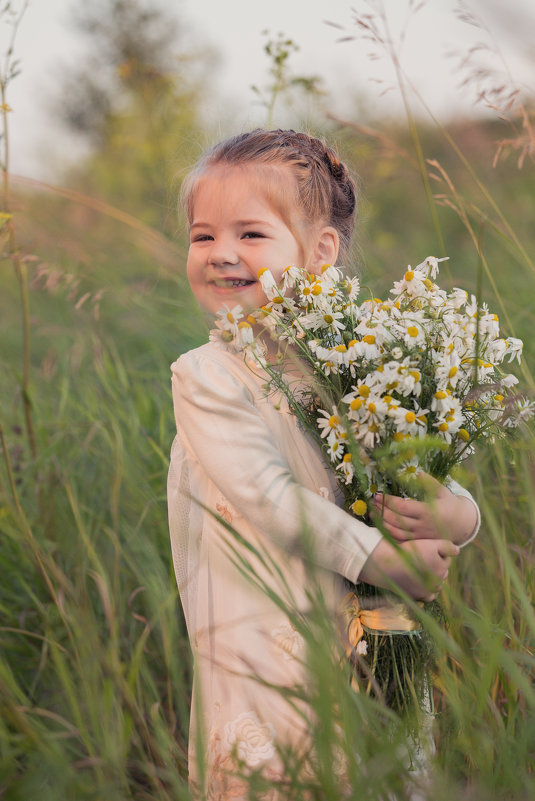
x=449, y=516
x=419, y=567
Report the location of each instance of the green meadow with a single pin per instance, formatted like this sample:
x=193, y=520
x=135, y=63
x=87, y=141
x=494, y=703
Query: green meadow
x=95, y=666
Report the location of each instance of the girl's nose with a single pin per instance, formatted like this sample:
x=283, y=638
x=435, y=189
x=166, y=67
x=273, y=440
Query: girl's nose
x=221, y=253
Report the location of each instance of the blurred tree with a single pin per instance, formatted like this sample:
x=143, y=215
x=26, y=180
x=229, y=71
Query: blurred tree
x=134, y=98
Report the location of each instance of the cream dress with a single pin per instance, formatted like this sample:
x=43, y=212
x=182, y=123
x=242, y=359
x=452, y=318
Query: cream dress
x=240, y=462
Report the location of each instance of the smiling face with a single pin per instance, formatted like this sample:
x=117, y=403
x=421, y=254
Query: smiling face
x=236, y=230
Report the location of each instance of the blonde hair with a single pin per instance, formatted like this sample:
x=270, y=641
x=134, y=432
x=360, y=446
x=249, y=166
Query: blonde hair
x=324, y=189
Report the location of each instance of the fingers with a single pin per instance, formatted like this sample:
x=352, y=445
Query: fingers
x=447, y=548
x=406, y=507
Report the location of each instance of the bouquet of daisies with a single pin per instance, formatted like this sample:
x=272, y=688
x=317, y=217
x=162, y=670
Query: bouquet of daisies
x=392, y=387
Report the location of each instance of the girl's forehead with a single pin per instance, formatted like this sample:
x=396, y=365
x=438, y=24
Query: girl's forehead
x=272, y=184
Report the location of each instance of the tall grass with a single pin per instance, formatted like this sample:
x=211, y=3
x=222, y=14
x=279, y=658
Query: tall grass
x=95, y=668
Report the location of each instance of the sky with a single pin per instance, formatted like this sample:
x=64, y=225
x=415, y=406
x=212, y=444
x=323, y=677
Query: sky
x=231, y=31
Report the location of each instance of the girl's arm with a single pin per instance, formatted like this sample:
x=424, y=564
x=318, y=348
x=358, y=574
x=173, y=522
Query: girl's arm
x=451, y=514
x=225, y=432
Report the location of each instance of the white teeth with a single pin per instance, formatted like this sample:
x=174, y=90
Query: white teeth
x=224, y=283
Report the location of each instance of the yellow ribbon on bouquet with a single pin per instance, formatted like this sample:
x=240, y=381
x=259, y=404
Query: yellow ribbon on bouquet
x=386, y=618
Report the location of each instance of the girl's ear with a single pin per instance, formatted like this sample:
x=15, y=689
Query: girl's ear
x=326, y=248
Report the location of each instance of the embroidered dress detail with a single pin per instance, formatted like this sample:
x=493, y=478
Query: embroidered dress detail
x=250, y=739
x=289, y=642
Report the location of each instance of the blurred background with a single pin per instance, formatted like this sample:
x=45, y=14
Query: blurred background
x=105, y=107
x=222, y=46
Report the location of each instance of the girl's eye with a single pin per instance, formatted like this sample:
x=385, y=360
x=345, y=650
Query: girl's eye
x=202, y=238
x=253, y=235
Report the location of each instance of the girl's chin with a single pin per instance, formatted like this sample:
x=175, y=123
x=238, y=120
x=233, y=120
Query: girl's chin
x=248, y=297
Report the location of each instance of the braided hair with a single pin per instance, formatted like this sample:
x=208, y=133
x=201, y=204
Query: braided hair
x=325, y=191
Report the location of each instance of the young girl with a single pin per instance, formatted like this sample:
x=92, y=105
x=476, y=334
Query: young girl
x=268, y=199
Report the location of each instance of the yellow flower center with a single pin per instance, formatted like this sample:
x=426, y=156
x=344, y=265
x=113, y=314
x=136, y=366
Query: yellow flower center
x=440, y=395
x=355, y=404
x=443, y=427
x=364, y=391
x=398, y=436
x=316, y=289
x=261, y=271
x=334, y=420
x=409, y=275
x=463, y=434
x=452, y=372
x=243, y=325
x=369, y=339
x=412, y=331
x=341, y=348
x=230, y=317
x=324, y=268
x=347, y=457
x=359, y=508
x=410, y=417
x=372, y=408
x=227, y=336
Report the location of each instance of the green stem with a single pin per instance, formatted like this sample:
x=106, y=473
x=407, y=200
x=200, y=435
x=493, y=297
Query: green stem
x=14, y=252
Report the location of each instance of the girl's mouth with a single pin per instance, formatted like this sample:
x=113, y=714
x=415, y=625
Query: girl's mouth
x=231, y=283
